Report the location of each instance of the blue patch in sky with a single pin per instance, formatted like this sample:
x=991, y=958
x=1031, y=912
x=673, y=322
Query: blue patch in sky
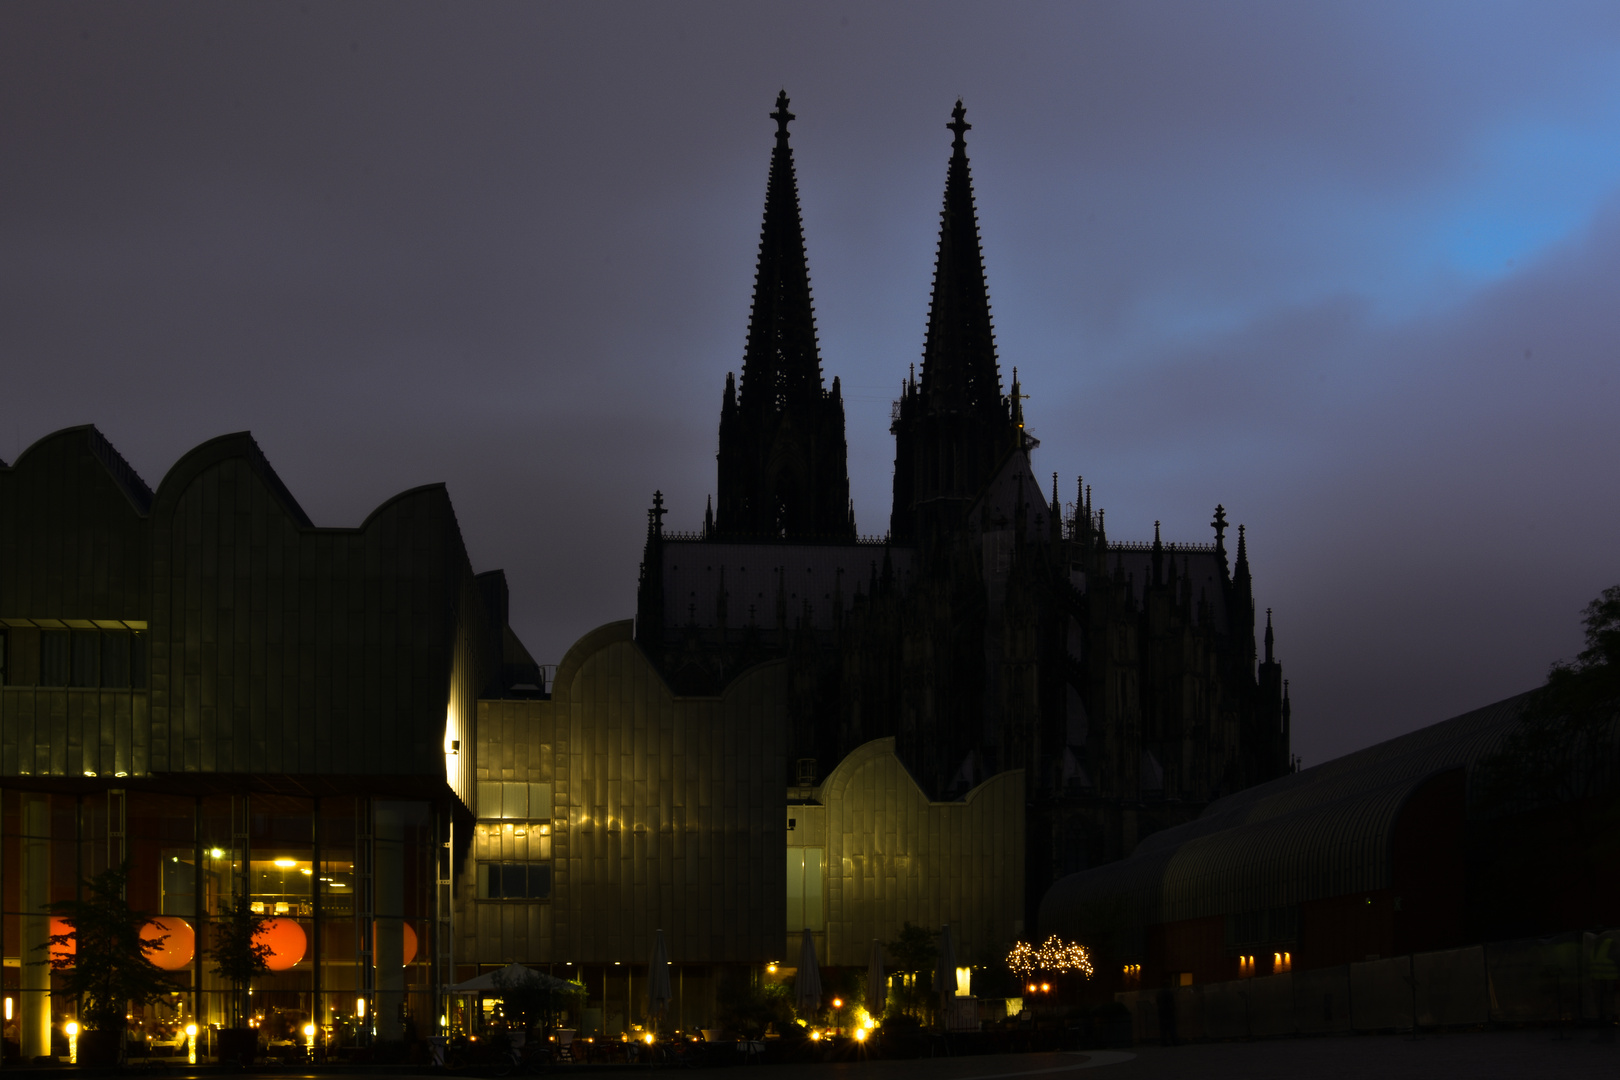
x=1538, y=185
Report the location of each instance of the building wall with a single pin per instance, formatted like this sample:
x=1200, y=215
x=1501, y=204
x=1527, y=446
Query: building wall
x=893, y=856
x=664, y=815
x=269, y=646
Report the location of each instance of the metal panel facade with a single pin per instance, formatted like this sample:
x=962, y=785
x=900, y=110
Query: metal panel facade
x=893, y=856
x=665, y=813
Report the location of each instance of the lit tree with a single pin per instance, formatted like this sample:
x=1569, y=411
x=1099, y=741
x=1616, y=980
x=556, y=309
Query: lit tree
x=108, y=968
x=238, y=954
x=1054, y=956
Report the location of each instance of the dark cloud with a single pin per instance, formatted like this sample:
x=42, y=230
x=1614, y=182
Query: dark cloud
x=1348, y=270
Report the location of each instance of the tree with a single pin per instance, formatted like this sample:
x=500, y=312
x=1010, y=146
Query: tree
x=238, y=954
x=750, y=1008
x=915, y=952
x=1556, y=766
x=108, y=969
x=533, y=1000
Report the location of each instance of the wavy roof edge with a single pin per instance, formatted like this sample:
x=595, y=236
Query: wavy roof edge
x=1318, y=832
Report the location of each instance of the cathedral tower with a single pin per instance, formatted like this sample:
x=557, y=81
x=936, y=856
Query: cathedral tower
x=783, y=470
x=952, y=426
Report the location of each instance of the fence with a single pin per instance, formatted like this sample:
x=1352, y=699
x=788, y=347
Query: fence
x=1545, y=980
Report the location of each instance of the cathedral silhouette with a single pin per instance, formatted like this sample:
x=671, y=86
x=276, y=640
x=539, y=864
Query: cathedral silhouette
x=992, y=628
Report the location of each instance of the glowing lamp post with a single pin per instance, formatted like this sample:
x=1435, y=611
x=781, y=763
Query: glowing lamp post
x=72, y=1029
x=191, y=1044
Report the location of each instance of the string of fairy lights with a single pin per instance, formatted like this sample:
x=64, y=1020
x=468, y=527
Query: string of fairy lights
x=1053, y=955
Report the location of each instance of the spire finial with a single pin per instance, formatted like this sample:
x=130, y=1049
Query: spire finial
x=781, y=114
x=959, y=125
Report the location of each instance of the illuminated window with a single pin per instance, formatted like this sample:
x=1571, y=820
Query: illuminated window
x=804, y=890
x=508, y=800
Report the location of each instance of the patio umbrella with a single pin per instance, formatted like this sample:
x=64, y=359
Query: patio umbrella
x=807, y=984
x=945, y=971
x=658, y=995
x=512, y=975
x=876, y=989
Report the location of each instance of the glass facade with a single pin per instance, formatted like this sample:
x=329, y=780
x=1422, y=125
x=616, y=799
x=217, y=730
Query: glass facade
x=345, y=884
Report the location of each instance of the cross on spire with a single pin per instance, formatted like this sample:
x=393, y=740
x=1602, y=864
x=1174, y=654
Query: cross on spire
x=781, y=114
x=959, y=125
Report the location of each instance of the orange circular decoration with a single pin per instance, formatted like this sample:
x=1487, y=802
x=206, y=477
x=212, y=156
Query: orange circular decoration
x=408, y=945
x=287, y=943
x=59, y=926
x=179, y=945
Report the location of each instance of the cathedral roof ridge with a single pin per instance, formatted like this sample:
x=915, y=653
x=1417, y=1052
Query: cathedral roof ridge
x=1147, y=545
x=767, y=540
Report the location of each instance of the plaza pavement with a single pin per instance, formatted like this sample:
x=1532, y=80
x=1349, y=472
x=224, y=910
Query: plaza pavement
x=1498, y=1055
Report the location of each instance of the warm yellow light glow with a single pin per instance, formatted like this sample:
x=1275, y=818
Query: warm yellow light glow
x=649, y=1038
x=309, y=1033
x=860, y=1034
x=838, y=1003
x=307, y=871
x=215, y=853
x=8, y=1008
x=286, y=864
x=360, y=1007
x=72, y=1028
x=964, y=981
x=770, y=968
x=815, y=1036
x=191, y=1031
x=1054, y=954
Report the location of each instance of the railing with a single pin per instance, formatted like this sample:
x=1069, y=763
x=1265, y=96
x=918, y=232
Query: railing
x=807, y=541
x=1147, y=545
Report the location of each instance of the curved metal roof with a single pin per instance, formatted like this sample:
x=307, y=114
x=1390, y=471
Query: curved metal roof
x=1321, y=832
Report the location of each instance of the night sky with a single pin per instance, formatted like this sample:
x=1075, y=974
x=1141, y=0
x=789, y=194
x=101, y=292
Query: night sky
x=1350, y=270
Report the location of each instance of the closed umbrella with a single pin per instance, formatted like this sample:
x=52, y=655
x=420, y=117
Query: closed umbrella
x=658, y=995
x=945, y=972
x=807, y=984
x=876, y=988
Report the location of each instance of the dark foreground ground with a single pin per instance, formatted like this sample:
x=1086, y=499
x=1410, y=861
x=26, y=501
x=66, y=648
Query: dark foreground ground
x=1466, y=1056
x=1488, y=1055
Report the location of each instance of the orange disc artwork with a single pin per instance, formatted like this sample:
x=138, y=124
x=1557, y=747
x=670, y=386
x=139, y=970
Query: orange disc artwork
x=287, y=943
x=72, y=947
x=409, y=943
x=179, y=944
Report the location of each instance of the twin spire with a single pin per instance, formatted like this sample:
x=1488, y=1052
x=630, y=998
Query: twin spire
x=782, y=361
x=783, y=472
x=959, y=371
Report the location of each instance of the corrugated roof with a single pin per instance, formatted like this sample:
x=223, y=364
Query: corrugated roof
x=1321, y=832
